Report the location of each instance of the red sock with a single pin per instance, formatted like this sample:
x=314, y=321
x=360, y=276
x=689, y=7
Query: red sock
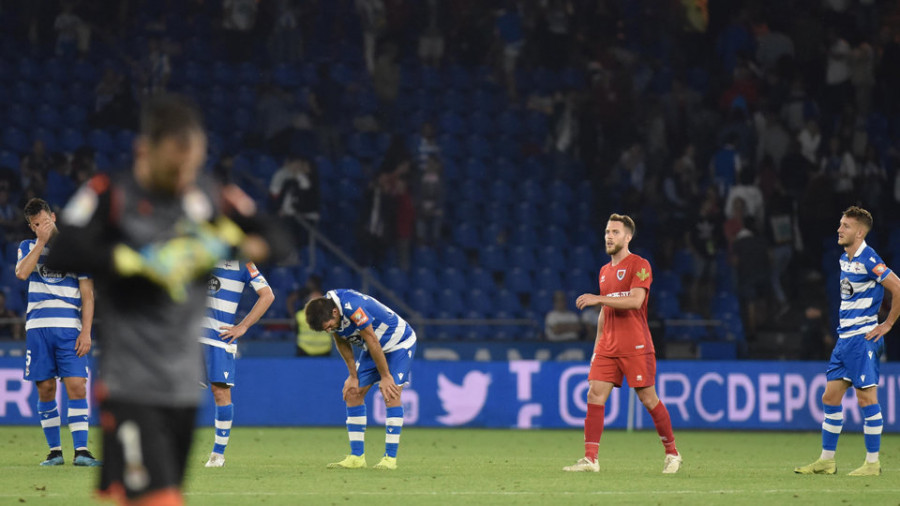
x=664, y=427
x=593, y=429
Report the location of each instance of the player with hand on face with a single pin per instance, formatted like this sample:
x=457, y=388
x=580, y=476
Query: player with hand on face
x=624, y=348
x=385, y=345
x=58, y=335
x=855, y=358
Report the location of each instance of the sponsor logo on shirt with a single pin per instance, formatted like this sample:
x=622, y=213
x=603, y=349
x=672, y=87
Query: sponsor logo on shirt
x=846, y=288
x=213, y=284
x=49, y=275
x=359, y=317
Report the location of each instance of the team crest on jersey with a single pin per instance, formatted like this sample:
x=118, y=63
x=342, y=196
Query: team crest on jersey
x=213, y=284
x=846, y=289
x=49, y=275
x=620, y=274
x=359, y=317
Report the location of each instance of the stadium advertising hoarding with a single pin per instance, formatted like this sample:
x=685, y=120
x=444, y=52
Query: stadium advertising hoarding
x=523, y=394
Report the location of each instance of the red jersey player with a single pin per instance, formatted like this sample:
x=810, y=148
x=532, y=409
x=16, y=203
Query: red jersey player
x=623, y=347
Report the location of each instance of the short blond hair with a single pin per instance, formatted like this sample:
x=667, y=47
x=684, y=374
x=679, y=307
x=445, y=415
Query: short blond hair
x=861, y=215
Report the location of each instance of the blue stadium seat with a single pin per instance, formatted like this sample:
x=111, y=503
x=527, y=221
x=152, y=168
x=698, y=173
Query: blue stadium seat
x=466, y=211
x=282, y=278
x=525, y=235
x=47, y=117
x=477, y=146
x=16, y=140
x=453, y=101
x=52, y=94
x=124, y=140
x=449, y=146
x=100, y=141
x=451, y=256
x=501, y=192
x=553, y=257
x=9, y=160
x=458, y=77
x=519, y=280
x=422, y=300
x=449, y=301
x=451, y=123
x=531, y=190
x=541, y=303
x=480, y=300
x=361, y=145
x=85, y=72
x=508, y=302
x=493, y=258
x=453, y=278
x=473, y=190
x=431, y=78
x=522, y=257
x=30, y=70
x=554, y=235
x=581, y=281
x=561, y=192
x=693, y=333
x=424, y=256
x=349, y=167
x=467, y=235
x=583, y=257
x=724, y=303
x=481, y=279
x=527, y=212
x=71, y=139
x=74, y=115
x=496, y=232
x=548, y=279
x=665, y=304
x=340, y=276
x=536, y=124
x=19, y=115
x=509, y=123
x=508, y=147
x=424, y=278
x=56, y=70
x=480, y=123
x=506, y=171
x=248, y=74
x=557, y=213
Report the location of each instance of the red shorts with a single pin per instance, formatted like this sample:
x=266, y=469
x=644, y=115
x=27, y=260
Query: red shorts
x=639, y=370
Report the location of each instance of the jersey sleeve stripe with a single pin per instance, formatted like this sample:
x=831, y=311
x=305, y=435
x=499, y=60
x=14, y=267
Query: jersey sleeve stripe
x=396, y=336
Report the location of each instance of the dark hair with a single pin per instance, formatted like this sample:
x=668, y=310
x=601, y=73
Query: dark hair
x=625, y=220
x=34, y=208
x=168, y=115
x=861, y=215
x=318, y=311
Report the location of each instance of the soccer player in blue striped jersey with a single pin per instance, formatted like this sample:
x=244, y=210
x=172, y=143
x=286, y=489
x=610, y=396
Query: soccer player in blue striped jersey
x=855, y=359
x=226, y=284
x=385, y=345
x=58, y=335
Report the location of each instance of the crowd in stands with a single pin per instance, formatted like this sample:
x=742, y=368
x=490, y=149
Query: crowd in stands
x=491, y=138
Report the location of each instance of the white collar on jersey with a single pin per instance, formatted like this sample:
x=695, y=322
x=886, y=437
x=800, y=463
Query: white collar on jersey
x=337, y=301
x=859, y=251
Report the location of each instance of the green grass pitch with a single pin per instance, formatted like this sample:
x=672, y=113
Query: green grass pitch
x=470, y=466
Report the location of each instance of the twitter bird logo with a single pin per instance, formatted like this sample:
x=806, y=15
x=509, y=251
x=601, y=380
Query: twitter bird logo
x=463, y=402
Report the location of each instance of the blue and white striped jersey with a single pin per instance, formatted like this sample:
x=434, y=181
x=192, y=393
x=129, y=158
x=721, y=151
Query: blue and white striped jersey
x=861, y=291
x=358, y=311
x=226, y=284
x=54, y=298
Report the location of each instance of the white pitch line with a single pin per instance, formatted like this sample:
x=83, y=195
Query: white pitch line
x=527, y=493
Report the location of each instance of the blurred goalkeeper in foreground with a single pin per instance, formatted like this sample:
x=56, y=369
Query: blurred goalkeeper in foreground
x=151, y=238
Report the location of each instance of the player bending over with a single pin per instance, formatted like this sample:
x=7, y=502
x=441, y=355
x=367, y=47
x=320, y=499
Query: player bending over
x=385, y=345
x=624, y=347
x=855, y=358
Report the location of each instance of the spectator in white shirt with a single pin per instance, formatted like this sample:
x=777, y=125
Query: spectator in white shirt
x=561, y=323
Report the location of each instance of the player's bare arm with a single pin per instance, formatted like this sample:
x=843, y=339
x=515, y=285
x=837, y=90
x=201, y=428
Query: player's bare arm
x=265, y=297
x=892, y=283
x=600, y=320
x=633, y=300
x=43, y=232
x=83, y=342
x=351, y=384
x=389, y=389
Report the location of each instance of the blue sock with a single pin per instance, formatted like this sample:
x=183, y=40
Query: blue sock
x=831, y=427
x=78, y=423
x=872, y=426
x=50, y=422
x=393, y=425
x=224, y=417
x=356, y=429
